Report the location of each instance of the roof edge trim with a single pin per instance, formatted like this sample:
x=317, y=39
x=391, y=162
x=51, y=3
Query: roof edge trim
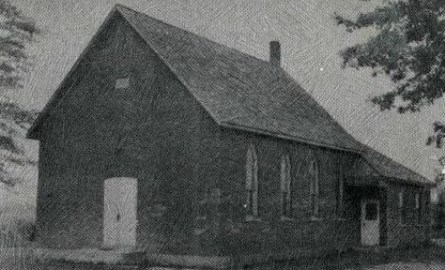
x=284, y=136
x=31, y=134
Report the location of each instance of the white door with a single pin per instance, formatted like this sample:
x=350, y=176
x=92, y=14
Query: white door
x=120, y=203
x=370, y=222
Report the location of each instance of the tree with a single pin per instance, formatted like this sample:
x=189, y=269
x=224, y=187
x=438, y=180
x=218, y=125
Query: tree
x=14, y=121
x=438, y=135
x=409, y=47
x=16, y=32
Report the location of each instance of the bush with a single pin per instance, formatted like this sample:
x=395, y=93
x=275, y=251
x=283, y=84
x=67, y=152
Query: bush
x=17, y=234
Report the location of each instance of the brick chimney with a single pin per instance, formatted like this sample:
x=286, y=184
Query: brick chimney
x=275, y=53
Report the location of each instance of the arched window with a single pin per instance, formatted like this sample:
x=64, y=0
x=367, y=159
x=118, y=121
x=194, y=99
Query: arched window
x=286, y=203
x=340, y=188
x=252, y=181
x=418, y=203
x=314, y=189
x=402, y=206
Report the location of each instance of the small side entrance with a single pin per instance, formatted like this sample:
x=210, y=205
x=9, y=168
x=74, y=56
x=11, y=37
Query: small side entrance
x=370, y=222
x=120, y=203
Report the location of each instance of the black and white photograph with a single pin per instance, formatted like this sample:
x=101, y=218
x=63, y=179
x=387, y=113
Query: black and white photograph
x=222, y=134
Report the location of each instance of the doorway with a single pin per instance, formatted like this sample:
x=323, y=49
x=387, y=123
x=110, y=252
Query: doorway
x=370, y=222
x=120, y=208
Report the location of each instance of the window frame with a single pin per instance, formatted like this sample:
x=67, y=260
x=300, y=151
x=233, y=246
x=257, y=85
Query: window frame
x=418, y=206
x=314, y=191
x=402, y=207
x=410, y=207
x=122, y=83
x=251, y=182
x=286, y=186
x=340, y=189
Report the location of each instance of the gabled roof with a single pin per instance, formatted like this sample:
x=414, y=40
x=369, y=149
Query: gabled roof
x=243, y=92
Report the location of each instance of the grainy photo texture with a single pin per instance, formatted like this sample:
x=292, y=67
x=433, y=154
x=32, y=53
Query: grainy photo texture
x=229, y=134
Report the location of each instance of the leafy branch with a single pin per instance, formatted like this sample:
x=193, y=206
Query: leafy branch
x=409, y=48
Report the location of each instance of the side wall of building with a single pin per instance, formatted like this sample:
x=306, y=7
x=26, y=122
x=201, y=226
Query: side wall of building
x=338, y=224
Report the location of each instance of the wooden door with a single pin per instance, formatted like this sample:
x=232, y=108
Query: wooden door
x=370, y=222
x=120, y=208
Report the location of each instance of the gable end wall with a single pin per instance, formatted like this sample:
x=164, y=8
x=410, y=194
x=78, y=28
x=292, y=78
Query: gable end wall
x=153, y=131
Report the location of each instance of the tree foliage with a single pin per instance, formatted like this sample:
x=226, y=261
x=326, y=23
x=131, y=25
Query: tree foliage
x=437, y=139
x=438, y=135
x=16, y=32
x=14, y=121
x=409, y=47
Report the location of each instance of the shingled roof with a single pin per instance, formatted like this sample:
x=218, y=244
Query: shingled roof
x=243, y=92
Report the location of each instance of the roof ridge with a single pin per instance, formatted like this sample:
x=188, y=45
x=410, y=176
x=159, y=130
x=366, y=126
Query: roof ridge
x=194, y=34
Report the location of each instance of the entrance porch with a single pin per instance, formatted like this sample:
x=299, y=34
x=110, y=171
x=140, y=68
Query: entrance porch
x=366, y=205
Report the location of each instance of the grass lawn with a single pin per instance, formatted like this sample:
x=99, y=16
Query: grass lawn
x=426, y=258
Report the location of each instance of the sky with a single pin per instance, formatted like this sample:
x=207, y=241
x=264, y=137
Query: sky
x=310, y=41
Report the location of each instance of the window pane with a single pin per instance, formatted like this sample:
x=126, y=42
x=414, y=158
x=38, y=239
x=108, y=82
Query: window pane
x=283, y=174
x=251, y=181
x=417, y=201
x=401, y=199
x=371, y=211
x=122, y=83
x=314, y=174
